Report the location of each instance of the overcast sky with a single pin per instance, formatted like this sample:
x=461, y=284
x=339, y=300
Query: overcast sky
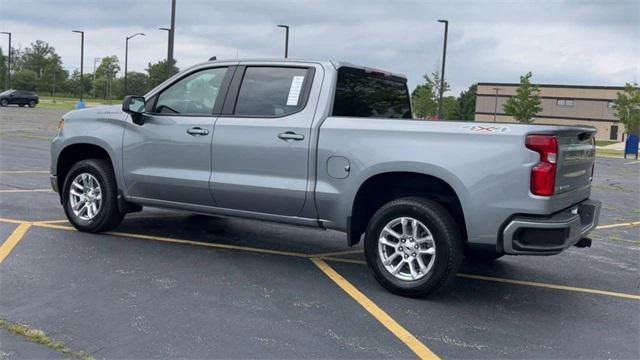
x=562, y=42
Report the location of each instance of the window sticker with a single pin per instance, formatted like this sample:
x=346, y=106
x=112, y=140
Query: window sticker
x=294, y=90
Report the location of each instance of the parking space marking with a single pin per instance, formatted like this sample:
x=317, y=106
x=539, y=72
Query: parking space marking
x=12, y=221
x=551, y=286
x=24, y=172
x=633, y=223
x=52, y=221
x=327, y=258
x=337, y=253
x=13, y=240
x=182, y=241
x=396, y=329
x=24, y=190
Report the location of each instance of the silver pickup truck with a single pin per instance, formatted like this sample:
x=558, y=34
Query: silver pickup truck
x=330, y=145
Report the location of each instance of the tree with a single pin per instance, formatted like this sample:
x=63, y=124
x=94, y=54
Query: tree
x=105, y=75
x=466, y=104
x=450, y=108
x=41, y=59
x=627, y=108
x=24, y=80
x=72, y=84
x=424, y=97
x=526, y=103
x=158, y=72
x=137, y=84
x=3, y=69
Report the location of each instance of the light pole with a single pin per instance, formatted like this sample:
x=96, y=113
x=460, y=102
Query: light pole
x=444, y=59
x=7, y=79
x=169, y=50
x=286, y=40
x=126, y=58
x=495, y=106
x=81, y=62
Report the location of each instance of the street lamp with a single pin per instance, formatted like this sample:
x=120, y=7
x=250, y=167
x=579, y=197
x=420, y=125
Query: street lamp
x=444, y=57
x=81, y=62
x=169, y=49
x=7, y=79
x=495, y=106
x=286, y=40
x=126, y=58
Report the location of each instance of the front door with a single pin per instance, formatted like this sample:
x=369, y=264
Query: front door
x=168, y=158
x=613, y=135
x=260, y=148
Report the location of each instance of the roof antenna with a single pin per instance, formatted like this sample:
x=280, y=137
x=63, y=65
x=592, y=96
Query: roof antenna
x=213, y=58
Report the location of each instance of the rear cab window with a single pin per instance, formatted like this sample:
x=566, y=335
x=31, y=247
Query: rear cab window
x=371, y=94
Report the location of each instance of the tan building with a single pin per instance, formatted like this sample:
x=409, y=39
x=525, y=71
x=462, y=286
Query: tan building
x=561, y=104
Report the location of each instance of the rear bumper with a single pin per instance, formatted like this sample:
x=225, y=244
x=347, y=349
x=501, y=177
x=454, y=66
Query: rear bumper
x=551, y=235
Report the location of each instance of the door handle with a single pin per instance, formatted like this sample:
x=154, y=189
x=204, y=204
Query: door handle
x=290, y=135
x=196, y=131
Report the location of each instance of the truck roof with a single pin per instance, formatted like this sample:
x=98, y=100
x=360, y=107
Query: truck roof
x=333, y=63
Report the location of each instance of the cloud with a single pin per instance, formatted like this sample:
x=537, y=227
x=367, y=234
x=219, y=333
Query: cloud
x=575, y=42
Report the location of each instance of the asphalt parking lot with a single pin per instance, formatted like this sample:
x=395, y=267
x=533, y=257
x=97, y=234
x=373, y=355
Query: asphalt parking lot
x=171, y=284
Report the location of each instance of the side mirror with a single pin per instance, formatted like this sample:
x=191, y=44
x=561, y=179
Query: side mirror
x=134, y=106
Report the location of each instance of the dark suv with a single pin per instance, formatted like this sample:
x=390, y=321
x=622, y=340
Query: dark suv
x=18, y=97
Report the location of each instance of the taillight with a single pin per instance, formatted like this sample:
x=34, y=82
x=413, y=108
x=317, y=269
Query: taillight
x=543, y=174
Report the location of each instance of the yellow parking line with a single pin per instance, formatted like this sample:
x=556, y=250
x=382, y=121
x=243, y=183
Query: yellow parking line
x=518, y=282
x=182, y=241
x=13, y=240
x=633, y=223
x=551, y=286
x=12, y=221
x=51, y=221
x=335, y=253
x=24, y=190
x=335, y=259
x=396, y=329
x=314, y=257
x=25, y=172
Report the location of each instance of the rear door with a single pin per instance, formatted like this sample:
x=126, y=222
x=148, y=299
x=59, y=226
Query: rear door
x=260, y=150
x=168, y=158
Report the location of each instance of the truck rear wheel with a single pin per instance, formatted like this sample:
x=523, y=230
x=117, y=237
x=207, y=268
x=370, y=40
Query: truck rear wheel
x=413, y=246
x=89, y=196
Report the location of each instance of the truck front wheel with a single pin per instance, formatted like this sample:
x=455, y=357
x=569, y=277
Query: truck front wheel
x=413, y=246
x=89, y=196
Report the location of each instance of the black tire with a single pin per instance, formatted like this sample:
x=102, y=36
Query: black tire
x=108, y=216
x=446, y=235
x=4, y=102
x=21, y=105
x=482, y=256
x=32, y=103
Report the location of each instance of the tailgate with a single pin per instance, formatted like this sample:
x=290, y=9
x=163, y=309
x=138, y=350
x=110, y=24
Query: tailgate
x=576, y=158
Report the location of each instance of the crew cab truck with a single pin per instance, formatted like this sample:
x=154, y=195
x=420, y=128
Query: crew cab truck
x=330, y=145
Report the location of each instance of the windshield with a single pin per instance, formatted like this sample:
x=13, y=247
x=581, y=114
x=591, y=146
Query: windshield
x=6, y=92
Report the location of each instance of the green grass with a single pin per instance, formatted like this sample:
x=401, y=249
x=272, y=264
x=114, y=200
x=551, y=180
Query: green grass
x=606, y=142
x=66, y=103
x=40, y=337
x=612, y=153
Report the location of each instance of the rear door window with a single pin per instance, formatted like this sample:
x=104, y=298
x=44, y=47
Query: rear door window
x=370, y=94
x=272, y=91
